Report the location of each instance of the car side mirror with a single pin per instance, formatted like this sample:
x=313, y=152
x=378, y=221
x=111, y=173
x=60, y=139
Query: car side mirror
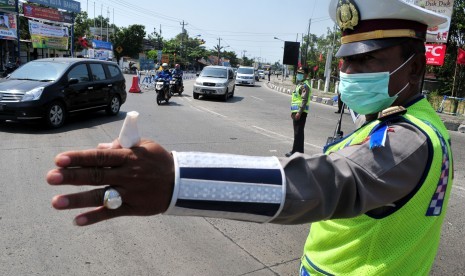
x=73, y=81
x=198, y=74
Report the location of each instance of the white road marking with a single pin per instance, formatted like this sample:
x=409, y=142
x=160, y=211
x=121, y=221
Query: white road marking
x=277, y=134
x=257, y=98
x=212, y=112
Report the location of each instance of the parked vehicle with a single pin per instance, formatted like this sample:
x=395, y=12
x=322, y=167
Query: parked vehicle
x=215, y=81
x=52, y=89
x=245, y=75
x=10, y=67
x=162, y=87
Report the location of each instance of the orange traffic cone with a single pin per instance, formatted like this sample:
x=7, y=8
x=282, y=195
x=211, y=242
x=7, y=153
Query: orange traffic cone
x=135, y=85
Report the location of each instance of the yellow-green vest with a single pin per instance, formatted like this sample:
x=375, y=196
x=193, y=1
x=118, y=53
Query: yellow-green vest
x=296, y=100
x=402, y=243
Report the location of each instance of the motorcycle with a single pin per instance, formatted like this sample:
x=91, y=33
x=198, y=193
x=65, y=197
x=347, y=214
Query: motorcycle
x=162, y=87
x=176, y=86
x=9, y=68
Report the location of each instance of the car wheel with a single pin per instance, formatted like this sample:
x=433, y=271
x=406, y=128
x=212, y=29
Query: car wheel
x=226, y=95
x=196, y=96
x=114, y=106
x=55, y=115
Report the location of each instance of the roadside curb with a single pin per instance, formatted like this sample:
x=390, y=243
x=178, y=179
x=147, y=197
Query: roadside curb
x=315, y=98
x=451, y=123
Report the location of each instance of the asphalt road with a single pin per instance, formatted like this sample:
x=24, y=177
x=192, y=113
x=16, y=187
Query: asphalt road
x=35, y=239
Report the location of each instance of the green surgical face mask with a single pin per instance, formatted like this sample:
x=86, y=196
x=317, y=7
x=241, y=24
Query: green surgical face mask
x=300, y=77
x=367, y=93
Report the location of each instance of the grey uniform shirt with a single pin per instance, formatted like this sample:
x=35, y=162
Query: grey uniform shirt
x=303, y=188
x=354, y=180
x=304, y=91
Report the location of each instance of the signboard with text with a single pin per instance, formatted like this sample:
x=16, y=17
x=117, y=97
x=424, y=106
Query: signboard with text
x=437, y=34
x=435, y=54
x=8, y=5
x=98, y=44
x=165, y=58
x=47, y=13
x=45, y=36
x=8, y=27
x=100, y=54
x=67, y=5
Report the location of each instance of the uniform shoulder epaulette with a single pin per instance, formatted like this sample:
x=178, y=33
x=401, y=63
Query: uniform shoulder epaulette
x=392, y=111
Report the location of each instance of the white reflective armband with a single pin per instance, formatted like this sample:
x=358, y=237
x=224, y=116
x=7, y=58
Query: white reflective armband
x=238, y=187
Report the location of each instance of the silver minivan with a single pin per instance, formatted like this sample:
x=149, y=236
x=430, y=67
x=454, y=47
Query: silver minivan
x=245, y=75
x=215, y=81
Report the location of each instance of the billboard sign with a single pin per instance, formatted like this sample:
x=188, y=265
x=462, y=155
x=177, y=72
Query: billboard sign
x=67, y=5
x=8, y=27
x=47, y=13
x=437, y=34
x=8, y=5
x=47, y=36
x=435, y=54
x=98, y=44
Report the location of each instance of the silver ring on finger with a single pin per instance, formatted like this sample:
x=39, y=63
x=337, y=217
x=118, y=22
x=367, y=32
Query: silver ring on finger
x=112, y=199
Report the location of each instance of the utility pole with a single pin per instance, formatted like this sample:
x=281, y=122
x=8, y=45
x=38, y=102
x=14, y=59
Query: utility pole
x=329, y=58
x=101, y=22
x=219, y=49
x=307, y=44
x=108, y=17
x=182, y=37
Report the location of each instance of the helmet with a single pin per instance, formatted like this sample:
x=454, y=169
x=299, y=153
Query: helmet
x=164, y=66
x=176, y=66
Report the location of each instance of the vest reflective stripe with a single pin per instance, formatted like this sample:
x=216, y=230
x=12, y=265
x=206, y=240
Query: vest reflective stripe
x=296, y=100
x=366, y=246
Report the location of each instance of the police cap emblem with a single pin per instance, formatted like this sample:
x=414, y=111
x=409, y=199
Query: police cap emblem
x=347, y=14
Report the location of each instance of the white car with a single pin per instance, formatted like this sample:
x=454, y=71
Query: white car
x=261, y=74
x=215, y=81
x=245, y=75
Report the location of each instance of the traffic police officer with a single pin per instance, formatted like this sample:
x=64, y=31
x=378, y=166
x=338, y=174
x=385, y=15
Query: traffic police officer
x=377, y=198
x=300, y=102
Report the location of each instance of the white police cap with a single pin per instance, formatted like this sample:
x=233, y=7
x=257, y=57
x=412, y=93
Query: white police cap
x=370, y=25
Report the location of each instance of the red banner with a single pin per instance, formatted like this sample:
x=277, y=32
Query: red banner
x=435, y=54
x=461, y=57
x=47, y=13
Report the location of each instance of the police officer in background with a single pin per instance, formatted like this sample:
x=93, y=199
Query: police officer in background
x=376, y=199
x=300, y=102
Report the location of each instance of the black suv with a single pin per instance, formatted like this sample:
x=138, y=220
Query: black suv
x=51, y=89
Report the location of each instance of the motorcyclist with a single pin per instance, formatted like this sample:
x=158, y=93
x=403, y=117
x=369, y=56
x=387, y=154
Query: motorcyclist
x=165, y=75
x=177, y=73
x=165, y=72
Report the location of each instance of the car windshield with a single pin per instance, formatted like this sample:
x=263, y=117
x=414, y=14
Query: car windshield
x=248, y=71
x=214, y=73
x=40, y=71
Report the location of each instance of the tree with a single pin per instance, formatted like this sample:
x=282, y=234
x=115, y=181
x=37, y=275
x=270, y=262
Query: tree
x=130, y=39
x=446, y=72
x=81, y=28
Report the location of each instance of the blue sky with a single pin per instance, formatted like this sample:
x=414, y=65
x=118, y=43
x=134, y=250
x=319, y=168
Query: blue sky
x=241, y=25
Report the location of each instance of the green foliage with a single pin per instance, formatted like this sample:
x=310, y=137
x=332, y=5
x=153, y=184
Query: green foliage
x=447, y=72
x=130, y=39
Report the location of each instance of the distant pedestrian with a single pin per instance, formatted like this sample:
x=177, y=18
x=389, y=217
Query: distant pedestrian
x=269, y=74
x=299, y=109
x=339, y=103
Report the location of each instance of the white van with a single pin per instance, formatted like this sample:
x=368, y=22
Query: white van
x=245, y=75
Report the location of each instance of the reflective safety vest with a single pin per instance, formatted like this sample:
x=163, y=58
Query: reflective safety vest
x=296, y=100
x=401, y=242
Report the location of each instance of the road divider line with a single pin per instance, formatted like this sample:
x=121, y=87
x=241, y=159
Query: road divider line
x=257, y=98
x=284, y=136
x=212, y=112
